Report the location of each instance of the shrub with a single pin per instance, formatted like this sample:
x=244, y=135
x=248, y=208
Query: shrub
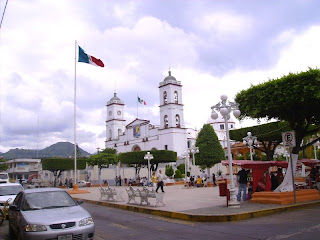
x=177, y=174
x=181, y=168
x=169, y=170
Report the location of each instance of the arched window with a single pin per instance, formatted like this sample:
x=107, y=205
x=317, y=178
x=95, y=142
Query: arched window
x=119, y=132
x=177, y=121
x=110, y=134
x=166, y=121
x=175, y=96
x=136, y=148
x=189, y=144
x=165, y=98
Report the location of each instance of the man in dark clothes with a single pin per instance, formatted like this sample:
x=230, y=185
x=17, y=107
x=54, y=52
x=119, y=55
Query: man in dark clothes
x=214, y=179
x=243, y=184
x=274, y=181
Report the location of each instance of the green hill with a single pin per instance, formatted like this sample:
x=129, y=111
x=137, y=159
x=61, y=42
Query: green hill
x=60, y=149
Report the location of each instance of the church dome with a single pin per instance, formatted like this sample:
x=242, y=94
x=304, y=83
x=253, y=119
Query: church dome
x=115, y=99
x=169, y=77
x=169, y=80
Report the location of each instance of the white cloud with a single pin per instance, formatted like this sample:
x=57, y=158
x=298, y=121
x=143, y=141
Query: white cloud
x=226, y=25
x=138, y=42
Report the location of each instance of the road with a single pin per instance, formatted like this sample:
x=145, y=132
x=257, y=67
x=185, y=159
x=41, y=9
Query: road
x=116, y=224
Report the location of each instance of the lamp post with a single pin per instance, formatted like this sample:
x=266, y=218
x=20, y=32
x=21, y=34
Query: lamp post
x=286, y=155
x=251, y=141
x=193, y=150
x=185, y=155
x=225, y=107
x=148, y=156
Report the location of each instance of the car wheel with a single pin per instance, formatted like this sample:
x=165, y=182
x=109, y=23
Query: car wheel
x=19, y=236
x=11, y=233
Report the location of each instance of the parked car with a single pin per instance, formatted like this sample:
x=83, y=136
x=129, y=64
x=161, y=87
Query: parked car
x=9, y=190
x=82, y=183
x=4, y=177
x=49, y=213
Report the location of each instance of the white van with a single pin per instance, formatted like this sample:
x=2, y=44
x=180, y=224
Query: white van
x=4, y=177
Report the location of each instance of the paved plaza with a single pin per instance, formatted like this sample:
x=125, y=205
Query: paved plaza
x=194, y=204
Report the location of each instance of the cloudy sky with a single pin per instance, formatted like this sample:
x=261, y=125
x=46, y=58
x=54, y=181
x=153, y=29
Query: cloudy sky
x=212, y=47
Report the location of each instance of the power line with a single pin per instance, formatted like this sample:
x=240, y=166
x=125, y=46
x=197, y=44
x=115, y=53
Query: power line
x=5, y=7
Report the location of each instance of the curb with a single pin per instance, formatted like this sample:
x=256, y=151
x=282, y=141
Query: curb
x=204, y=218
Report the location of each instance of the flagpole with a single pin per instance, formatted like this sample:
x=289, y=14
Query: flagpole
x=74, y=117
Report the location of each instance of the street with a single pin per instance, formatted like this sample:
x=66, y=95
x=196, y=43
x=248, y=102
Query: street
x=116, y=224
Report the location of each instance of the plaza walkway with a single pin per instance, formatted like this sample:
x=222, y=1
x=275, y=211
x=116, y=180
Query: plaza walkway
x=192, y=204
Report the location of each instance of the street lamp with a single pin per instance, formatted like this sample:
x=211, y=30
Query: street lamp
x=193, y=150
x=225, y=107
x=148, y=156
x=185, y=155
x=286, y=155
x=251, y=141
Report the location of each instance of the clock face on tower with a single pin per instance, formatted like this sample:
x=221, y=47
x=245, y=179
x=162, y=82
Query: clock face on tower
x=119, y=112
x=110, y=113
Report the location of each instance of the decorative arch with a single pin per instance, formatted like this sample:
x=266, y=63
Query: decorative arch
x=177, y=120
x=176, y=97
x=166, y=121
x=189, y=143
x=165, y=97
x=119, y=132
x=136, y=148
x=110, y=133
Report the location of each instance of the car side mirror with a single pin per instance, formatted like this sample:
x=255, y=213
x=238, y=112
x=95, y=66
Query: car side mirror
x=13, y=208
x=79, y=201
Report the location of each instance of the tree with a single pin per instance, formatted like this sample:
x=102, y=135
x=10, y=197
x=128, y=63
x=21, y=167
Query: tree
x=269, y=135
x=294, y=98
x=103, y=160
x=182, y=168
x=169, y=171
x=210, y=149
x=136, y=159
x=177, y=174
x=3, y=165
x=58, y=165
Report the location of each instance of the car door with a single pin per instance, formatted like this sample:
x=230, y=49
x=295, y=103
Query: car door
x=14, y=216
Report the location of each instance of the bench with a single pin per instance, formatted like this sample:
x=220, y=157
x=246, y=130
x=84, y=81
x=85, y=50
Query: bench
x=110, y=194
x=145, y=194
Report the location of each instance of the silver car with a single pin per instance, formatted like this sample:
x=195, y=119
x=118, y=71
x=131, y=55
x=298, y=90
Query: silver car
x=49, y=213
x=9, y=191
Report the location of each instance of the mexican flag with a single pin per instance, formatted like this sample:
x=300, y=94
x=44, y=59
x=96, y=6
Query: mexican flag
x=85, y=58
x=141, y=101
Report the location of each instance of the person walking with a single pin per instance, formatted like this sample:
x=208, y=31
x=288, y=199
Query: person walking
x=70, y=183
x=243, y=184
x=214, y=179
x=116, y=180
x=154, y=181
x=119, y=180
x=160, y=181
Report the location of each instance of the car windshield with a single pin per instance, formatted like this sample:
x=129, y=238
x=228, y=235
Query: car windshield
x=46, y=200
x=3, y=176
x=10, y=190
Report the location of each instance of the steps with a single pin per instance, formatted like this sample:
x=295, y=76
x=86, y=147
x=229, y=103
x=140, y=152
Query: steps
x=282, y=198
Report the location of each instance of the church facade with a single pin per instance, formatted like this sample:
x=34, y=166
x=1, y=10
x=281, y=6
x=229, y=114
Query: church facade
x=141, y=135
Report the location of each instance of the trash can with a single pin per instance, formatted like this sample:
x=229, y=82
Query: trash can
x=223, y=188
x=88, y=184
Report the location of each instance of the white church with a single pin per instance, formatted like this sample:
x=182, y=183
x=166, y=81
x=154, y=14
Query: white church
x=141, y=135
